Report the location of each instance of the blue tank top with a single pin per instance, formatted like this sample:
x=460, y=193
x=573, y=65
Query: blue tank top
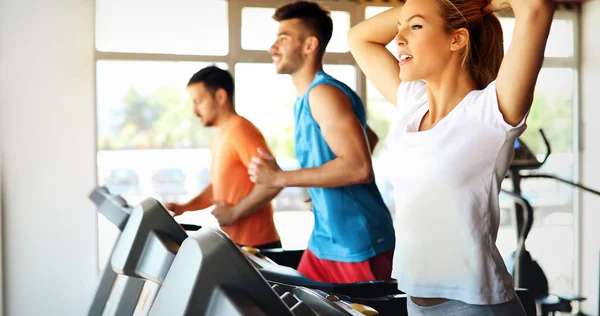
x=352, y=223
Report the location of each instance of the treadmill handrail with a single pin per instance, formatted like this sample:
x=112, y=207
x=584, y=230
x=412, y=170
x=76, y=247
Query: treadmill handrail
x=528, y=220
x=190, y=227
x=519, y=199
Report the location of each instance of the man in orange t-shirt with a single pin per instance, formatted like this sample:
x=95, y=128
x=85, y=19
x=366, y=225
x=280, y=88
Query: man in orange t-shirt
x=242, y=208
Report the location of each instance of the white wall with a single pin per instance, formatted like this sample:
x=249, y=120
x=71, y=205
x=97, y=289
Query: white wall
x=1, y=247
x=590, y=164
x=48, y=160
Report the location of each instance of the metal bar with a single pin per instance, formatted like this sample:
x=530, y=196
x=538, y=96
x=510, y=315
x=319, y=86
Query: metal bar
x=528, y=222
x=105, y=287
x=127, y=301
x=515, y=177
x=549, y=176
x=190, y=227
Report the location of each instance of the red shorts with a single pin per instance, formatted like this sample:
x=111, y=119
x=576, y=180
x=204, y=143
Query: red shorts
x=376, y=268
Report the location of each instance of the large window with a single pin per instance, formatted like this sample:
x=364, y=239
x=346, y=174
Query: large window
x=151, y=144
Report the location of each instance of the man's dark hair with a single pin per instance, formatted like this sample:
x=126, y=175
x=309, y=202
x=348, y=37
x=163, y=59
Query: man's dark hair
x=316, y=19
x=214, y=78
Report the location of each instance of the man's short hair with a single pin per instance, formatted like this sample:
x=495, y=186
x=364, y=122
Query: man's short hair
x=214, y=78
x=316, y=19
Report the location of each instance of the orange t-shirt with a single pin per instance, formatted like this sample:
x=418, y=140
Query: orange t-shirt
x=232, y=147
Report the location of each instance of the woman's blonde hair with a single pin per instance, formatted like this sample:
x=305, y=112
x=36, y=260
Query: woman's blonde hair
x=485, y=50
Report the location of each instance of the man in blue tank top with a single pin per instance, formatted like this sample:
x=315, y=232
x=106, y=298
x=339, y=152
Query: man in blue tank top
x=353, y=237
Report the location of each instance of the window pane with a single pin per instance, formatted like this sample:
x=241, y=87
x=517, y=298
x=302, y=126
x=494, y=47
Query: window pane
x=380, y=113
x=379, y=117
x=144, y=105
x=373, y=11
x=552, y=110
x=154, y=26
x=560, y=41
x=553, y=230
x=261, y=103
x=343, y=73
x=341, y=25
x=275, y=96
x=259, y=29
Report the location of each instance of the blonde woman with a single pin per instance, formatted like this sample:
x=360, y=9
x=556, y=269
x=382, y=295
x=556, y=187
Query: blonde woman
x=461, y=105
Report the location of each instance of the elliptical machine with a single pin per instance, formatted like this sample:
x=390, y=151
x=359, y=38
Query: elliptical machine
x=527, y=273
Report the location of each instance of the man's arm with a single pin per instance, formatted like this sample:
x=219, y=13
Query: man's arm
x=249, y=143
x=521, y=65
x=332, y=110
x=260, y=196
x=201, y=201
x=373, y=141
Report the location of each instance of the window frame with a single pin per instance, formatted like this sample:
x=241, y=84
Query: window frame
x=357, y=13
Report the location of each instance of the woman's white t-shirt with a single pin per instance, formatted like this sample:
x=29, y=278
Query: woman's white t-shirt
x=446, y=185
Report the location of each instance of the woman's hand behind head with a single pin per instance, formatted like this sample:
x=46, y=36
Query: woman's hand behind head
x=496, y=6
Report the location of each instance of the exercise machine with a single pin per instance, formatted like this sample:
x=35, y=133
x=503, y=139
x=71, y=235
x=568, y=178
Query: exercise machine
x=526, y=272
x=116, y=295
x=112, y=297
x=211, y=276
x=148, y=249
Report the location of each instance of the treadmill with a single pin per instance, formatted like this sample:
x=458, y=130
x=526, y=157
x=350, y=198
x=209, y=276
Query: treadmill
x=210, y=276
x=116, y=295
x=207, y=274
x=112, y=297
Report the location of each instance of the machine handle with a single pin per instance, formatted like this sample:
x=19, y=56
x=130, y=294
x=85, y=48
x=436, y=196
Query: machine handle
x=528, y=223
x=190, y=227
x=548, y=148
